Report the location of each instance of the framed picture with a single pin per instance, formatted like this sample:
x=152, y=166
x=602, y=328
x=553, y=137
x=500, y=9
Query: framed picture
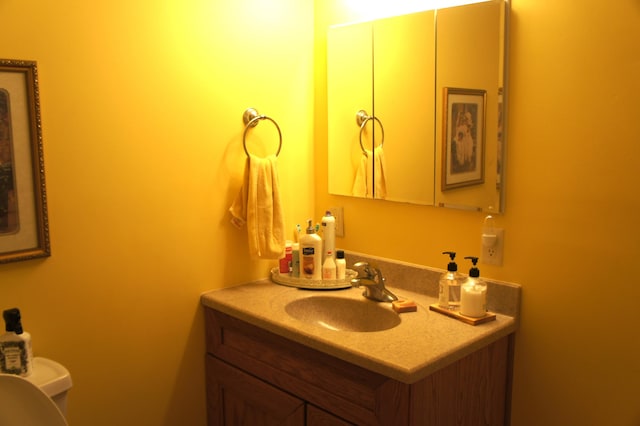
x=463, y=138
x=24, y=225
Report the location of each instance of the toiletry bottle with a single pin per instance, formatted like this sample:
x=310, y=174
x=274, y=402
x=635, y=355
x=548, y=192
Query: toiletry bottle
x=16, y=356
x=329, y=234
x=449, y=285
x=311, y=254
x=341, y=265
x=286, y=261
x=295, y=260
x=473, y=293
x=329, y=267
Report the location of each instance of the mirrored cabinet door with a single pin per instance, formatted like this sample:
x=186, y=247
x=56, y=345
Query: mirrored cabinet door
x=404, y=102
x=349, y=89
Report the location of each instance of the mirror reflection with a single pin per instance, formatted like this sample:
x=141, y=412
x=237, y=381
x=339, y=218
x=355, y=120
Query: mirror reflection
x=415, y=107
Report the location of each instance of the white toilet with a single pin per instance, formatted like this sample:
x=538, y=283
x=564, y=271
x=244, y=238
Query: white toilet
x=37, y=400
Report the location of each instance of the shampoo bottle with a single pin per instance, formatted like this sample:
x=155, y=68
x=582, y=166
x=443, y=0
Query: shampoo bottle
x=449, y=285
x=473, y=294
x=16, y=356
x=311, y=254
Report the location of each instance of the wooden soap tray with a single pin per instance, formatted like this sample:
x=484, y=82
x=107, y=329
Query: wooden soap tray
x=489, y=316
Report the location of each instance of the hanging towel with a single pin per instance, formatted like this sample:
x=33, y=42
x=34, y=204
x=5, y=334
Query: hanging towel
x=380, y=188
x=367, y=175
x=258, y=205
x=360, y=183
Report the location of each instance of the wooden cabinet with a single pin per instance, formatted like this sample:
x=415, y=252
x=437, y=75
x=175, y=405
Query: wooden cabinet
x=255, y=377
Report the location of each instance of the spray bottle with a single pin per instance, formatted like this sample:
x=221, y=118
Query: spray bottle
x=16, y=356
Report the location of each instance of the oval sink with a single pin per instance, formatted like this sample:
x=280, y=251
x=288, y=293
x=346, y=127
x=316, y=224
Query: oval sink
x=336, y=313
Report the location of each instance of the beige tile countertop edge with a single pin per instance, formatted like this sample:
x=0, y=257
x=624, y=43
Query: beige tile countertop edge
x=424, y=341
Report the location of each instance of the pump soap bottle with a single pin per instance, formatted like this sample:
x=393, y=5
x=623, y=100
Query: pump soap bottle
x=16, y=356
x=311, y=254
x=473, y=294
x=449, y=285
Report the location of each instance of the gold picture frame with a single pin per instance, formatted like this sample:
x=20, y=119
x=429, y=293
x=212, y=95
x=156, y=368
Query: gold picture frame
x=24, y=224
x=463, y=143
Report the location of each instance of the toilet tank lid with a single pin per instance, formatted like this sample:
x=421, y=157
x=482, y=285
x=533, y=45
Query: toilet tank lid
x=50, y=376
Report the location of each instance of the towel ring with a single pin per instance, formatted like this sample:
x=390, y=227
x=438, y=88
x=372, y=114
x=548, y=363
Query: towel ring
x=251, y=119
x=361, y=118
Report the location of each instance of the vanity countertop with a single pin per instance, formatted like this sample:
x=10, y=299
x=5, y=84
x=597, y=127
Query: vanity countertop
x=423, y=342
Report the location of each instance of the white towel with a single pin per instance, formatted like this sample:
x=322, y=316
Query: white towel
x=367, y=176
x=380, y=188
x=360, y=183
x=258, y=205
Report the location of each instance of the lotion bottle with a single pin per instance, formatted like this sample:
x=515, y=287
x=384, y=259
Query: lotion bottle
x=449, y=285
x=473, y=293
x=16, y=355
x=329, y=269
x=310, y=254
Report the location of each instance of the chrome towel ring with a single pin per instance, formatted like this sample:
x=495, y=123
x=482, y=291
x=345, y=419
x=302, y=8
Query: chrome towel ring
x=251, y=119
x=361, y=119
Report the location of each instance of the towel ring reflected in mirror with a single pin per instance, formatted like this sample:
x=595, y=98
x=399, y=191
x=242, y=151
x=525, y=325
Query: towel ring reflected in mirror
x=361, y=119
x=251, y=119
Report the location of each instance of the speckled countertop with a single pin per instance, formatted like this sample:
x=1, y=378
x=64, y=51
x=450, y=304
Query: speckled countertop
x=423, y=342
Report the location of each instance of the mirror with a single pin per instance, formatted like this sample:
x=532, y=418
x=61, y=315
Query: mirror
x=415, y=107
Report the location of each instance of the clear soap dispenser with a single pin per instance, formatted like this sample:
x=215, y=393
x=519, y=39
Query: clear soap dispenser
x=449, y=285
x=473, y=295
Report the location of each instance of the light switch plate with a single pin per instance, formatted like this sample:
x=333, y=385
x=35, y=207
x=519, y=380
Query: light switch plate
x=338, y=213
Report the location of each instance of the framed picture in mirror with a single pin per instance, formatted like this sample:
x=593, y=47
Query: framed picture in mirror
x=464, y=139
x=24, y=226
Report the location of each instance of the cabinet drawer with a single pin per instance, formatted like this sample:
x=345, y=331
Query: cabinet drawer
x=350, y=392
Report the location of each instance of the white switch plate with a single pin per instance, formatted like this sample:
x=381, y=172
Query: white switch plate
x=492, y=253
x=338, y=213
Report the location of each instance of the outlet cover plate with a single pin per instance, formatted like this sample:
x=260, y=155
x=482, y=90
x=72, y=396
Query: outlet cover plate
x=492, y=254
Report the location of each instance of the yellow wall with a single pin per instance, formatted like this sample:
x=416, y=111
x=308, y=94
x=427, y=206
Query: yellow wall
x=142, y=108
x=571, y=221
x=141, y=105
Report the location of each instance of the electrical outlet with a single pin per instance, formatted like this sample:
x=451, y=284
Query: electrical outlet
x=492, y=247
x=338, y=213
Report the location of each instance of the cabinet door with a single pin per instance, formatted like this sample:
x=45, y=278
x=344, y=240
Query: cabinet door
x=237, y=398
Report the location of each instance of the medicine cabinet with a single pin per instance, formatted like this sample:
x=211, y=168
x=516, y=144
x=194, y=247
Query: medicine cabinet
x=393, y=84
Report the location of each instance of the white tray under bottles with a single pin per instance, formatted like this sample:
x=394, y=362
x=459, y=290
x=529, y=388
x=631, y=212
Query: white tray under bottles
x=305, y=283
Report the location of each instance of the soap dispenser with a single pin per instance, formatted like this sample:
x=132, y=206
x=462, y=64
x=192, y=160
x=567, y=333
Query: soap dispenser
x=473, y=294
x=449, y=285
x=16, y=356
x=311, y=254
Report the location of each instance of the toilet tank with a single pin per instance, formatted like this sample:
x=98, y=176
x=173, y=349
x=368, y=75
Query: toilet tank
x=54, y=380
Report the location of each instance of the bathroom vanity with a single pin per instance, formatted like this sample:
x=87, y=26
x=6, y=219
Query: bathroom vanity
x=265, y=365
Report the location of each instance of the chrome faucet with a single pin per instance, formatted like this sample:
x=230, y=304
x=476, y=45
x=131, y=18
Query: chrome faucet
x=371, y=278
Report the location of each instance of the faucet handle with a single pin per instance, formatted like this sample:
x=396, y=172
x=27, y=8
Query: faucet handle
x=363, y=268
x=371, y=270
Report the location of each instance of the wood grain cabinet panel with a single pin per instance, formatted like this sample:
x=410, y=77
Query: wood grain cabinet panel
x=255, y=377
